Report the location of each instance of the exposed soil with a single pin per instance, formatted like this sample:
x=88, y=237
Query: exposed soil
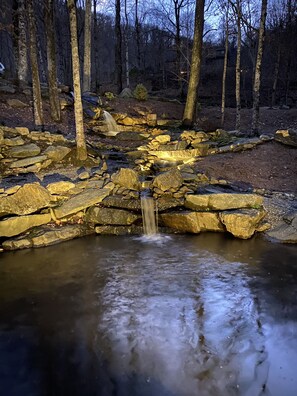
x=270, y=166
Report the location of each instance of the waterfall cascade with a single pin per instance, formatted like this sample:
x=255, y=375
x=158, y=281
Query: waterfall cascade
x=149, y=215
x=112, y=128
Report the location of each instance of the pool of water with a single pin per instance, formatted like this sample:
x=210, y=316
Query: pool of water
x=163, y=316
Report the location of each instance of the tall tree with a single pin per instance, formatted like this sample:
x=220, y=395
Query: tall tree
x=78, y=109
x=37, y=101
x=95, y=81
x=87, y=48
x=257, y=78
x=51, y=62
x=238, y=12
x=126, y=34
x=190, y=107
x=223, y=102
x=22, y=44
x=118, y=47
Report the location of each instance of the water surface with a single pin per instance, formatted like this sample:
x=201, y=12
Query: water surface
x=172, y=316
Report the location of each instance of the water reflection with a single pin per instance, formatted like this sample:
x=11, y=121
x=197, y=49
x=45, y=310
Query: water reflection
x=193, y=315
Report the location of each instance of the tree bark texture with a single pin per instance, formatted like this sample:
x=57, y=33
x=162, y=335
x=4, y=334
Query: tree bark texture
x=22, y=44
x=37, y=101
x=78, y=109
x=118, y=47
x=87, y=48
x=223, y=105
x=190, y=107
x=51, y=62
x=237, y=67
x=257, y=78
x=96, y=74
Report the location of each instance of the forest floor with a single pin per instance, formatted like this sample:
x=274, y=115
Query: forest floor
x=270, y=166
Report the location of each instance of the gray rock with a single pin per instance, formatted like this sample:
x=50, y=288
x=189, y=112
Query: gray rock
x=81, y=201
x=286, y=136
x=18, y=224
x=117, y=201
x=57, y=153
x=46, y=237
x=192, y=222
x=127, y=178
x=27, y=150
x=110, y=216
x=223, y=201
x=168, y=180
x=16, y=103
x=28, y=161
x=28, y=199
x=242, y=223
x=16, y=141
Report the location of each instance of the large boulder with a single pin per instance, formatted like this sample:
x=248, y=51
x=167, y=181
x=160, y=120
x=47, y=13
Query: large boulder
x=286, y=136
x=223, y=201
x=28, y=199
x=168, y=180
x=81, y=201
x=192, y=222
x=18, y=224
x=242, y=223
x=109, y=216
x=127, y=178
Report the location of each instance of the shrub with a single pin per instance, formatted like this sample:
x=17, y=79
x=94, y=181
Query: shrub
x=140, y=92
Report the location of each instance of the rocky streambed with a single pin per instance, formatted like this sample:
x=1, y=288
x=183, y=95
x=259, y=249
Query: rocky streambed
x=46, y=198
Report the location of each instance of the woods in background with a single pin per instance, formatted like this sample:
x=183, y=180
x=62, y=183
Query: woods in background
x=122, y=43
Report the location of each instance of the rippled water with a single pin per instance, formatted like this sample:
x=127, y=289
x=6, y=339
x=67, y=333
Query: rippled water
x=163, y=316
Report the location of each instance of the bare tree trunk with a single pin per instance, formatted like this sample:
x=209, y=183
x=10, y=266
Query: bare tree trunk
x=87, y=48
x=275, y=75
x=51, y=62
x=22, y=44
x=225, y=69
x=78, y=109
x=257, y=79
x=289, y=50
x=190, y=107
x=95, y=47
x=238, y=69
x=137, y=31
x=127, y=47
x=37, y=101
x=118, y=47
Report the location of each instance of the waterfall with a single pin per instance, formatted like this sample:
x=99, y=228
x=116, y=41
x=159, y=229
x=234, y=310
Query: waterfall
x=149, y=215
x=112, y=128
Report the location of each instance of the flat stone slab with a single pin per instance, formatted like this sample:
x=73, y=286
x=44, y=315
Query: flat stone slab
x=46, y=237
x=180, y=155
x=27, y=150
x=223, y=201
x=81, y=201
x=117, y=201
x=17, y=225
x=110, y=216
x=28, y=161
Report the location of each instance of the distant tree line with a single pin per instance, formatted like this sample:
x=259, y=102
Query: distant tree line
x=130, y=41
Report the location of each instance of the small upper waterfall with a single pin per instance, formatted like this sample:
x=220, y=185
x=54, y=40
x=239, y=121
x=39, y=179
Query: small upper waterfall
x=149, y=215
x=112, y=128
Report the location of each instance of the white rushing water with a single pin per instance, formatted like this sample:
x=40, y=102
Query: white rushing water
x=112, y=128
x=149, y=216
